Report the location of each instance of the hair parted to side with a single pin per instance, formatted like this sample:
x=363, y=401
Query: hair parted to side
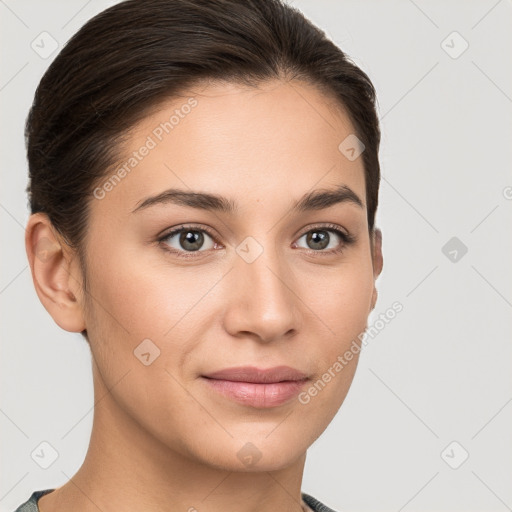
x=129, y=58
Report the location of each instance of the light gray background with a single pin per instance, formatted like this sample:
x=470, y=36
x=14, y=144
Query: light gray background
x=439, y=372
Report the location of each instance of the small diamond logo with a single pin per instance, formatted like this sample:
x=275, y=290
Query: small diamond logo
x=454, y=45
x=249, y=455
x=44, y=455
x=455, y=455
x=249, y=250
x=352, y=147
x=146, y=352
x=45, y=248
x=454, y=249
x=44, y=45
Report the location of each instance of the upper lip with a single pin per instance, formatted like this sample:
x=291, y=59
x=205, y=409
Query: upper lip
x=258, y=375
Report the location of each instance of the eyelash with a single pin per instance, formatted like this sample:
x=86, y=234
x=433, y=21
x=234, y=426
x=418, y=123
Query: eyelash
x=347, y=239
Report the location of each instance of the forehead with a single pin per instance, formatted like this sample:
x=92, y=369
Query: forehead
x=237, y=140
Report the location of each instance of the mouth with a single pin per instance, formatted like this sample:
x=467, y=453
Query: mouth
x=257, y=375
x=255, y=387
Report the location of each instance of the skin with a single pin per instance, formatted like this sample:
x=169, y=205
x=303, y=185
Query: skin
x=160, y=435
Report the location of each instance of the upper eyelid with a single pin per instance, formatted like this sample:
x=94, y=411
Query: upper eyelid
x=176, y=230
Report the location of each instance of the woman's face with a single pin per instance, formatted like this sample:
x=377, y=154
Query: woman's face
x=261, y=284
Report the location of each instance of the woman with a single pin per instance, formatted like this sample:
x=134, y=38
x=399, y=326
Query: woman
x=204, y=180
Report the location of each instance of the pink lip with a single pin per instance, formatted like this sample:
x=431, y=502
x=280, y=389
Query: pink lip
x=262, y=388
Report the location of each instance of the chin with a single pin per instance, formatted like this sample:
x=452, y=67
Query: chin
x=254, y=453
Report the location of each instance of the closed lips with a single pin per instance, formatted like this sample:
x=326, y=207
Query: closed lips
x=258, y=375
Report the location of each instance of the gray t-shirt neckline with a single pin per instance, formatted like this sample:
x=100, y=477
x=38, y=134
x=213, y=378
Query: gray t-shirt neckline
x=31, y=504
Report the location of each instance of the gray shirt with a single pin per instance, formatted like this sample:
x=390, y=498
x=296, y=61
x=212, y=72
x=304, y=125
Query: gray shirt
x=31, y=504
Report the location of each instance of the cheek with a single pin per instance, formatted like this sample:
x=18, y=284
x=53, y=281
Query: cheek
x=135, y=296
x=342, y=305
x=342, y=299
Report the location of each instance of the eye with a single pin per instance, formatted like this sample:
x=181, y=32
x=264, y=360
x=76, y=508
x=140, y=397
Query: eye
x=187, y=239
x=320, y=238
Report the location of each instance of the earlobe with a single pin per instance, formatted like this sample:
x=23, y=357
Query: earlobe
x=377, y=260
x=374, y=297
x=55, y=274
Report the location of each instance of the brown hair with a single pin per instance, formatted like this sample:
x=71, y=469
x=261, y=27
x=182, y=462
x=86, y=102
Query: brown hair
x=132, y=56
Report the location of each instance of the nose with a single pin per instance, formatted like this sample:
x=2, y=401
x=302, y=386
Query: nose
x=263, y=299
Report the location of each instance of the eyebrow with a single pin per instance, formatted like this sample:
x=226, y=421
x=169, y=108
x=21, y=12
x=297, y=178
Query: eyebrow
x=315, y=200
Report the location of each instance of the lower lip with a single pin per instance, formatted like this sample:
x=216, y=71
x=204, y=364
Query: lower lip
x=257, y=395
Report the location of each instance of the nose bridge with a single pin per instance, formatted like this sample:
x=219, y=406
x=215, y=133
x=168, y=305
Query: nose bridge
x=264, y=302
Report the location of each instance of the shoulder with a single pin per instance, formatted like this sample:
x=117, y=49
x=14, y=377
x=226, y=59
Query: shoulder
x=316, y=505
x=31, y=504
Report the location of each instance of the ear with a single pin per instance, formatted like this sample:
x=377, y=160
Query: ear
x=377, y=260
x=56, y=273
